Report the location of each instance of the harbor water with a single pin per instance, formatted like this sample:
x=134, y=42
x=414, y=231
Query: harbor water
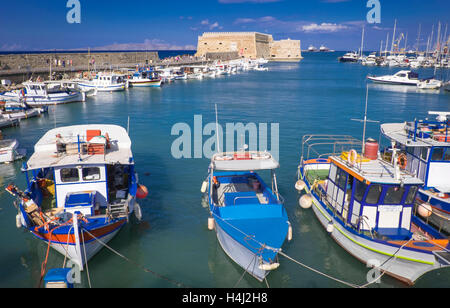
x=172, y=243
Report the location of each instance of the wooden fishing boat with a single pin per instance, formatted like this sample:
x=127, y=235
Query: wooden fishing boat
x=367, y=206
x=81, y=189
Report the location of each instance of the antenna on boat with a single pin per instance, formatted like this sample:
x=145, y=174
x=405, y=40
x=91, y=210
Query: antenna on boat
x=217, y=131
x=365, y=119
x=128, y=125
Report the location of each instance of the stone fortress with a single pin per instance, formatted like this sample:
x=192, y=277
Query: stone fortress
x=249, y=45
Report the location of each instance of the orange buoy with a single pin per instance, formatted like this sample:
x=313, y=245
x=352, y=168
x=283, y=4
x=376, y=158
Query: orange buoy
x=142, y=192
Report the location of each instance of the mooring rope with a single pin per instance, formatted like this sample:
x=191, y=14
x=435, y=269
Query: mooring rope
x=280, y=252
x=177, y=283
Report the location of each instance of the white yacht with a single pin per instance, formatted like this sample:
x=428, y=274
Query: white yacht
x=408, y=78
x=349, y=57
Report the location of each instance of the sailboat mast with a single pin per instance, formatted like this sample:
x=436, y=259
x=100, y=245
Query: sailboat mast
x=418, y=38
x=362, y=41
x=393, y=36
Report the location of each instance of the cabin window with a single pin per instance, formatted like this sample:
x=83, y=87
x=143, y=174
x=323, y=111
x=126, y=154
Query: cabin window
x=332, y=175
x=341, y=179
x=424, y=153
x=91, y=174
x=411, y=195
x=447, y=154
x=373, y=196
x=360, y=189
x=438, y=154
x=394, y=195
x=69, y=175
x=401, y=75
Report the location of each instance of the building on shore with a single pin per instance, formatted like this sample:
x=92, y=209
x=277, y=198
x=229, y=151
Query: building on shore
x=249, y=45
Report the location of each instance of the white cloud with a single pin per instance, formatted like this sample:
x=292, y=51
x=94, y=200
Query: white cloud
x=323, y=27
x=148, y=44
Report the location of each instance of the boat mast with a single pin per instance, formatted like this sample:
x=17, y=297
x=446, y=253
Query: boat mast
x=362, y=41
x=393, y=36
x=418, y=38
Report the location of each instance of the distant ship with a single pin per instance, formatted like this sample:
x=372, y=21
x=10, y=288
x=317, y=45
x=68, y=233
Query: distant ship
x=312, y=48
x=325, y=49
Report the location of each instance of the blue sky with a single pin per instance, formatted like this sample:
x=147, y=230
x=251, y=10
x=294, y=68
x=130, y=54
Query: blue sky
x=176, y=24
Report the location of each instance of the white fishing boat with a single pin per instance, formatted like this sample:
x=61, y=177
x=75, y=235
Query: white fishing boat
x=81, y=187
x=407, y=78
x=39, y=94
x=311, y=48
x=105, y=82
x=7, y=122
x=366, y=205
x=71, y=84
x=145, y=77
x=21, y=110
x=9, y=151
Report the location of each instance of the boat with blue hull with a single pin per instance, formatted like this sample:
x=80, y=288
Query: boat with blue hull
x=424, y=147
x=367, y=206
x=81, y=189
x=248, y=216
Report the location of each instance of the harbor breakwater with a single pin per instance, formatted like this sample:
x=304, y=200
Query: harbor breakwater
x=19, y=67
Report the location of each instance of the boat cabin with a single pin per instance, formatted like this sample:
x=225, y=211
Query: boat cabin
x=425, y=146
x=369, y=198
x=232, y=185
x=84, y=168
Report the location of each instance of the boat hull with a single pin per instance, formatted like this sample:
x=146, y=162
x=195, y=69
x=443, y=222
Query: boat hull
x=52, y=99
x=406, y=265
x=146, y=83
x=240, y=254
x=65, y=243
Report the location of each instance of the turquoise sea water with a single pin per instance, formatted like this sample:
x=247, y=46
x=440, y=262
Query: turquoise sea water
x=318, y=95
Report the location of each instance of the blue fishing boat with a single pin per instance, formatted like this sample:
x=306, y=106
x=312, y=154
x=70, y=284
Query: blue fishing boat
x=81, y=189
x=424, y=147
x=366, y=205
x=247, y=215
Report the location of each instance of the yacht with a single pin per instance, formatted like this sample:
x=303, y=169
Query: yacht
x=349, y=57
x=408, y=78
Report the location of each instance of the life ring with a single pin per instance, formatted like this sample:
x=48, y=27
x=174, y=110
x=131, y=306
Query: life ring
x=352, y=157
x=402, y=161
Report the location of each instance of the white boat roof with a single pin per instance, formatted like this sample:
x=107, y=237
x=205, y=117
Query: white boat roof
x=376, y=171
x=397, y=132
x=45, y=150
x=244, y=161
